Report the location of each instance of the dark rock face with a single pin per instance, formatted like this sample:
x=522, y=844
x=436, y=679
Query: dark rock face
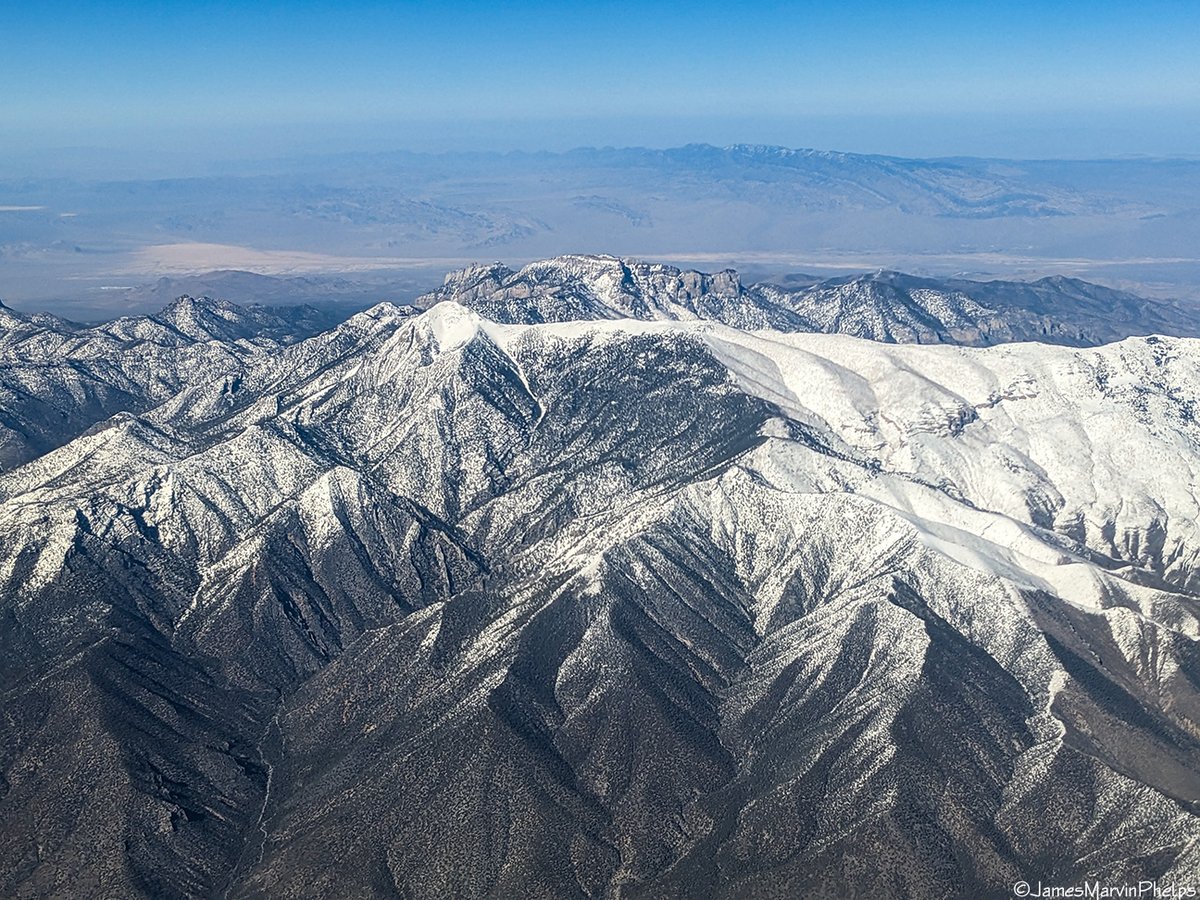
x=430, y=606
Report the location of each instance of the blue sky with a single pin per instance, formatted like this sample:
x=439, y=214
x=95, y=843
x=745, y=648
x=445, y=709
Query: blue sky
x=931, y=78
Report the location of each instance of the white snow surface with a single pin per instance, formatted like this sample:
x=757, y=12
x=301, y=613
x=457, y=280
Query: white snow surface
x=1072, y=471
x=984, y=450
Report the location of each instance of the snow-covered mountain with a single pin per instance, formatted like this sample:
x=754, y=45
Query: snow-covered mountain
x=58, y=378
x=568, y=288
x=646, y=606
x=885, y=306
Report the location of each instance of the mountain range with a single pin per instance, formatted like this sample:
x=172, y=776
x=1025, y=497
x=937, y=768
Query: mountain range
x=87, y=242
x=884, y=306
x=605, y=579
x=58, y=378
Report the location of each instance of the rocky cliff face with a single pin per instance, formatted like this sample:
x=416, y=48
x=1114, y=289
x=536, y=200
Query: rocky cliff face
x=440, y=606
x=569, y=288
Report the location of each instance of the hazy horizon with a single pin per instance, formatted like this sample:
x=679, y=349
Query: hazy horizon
x=229, y=150
x=87, y=245
x=175, y=84
x=146, y=139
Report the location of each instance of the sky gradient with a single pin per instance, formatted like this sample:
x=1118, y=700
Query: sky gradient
x=932, y=78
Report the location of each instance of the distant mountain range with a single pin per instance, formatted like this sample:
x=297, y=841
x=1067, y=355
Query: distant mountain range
x=604, y=579
x=84, y=243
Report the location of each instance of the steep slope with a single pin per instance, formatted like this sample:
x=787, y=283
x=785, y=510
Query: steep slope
x=886, y=306
x=58, y=378
x=441, y=607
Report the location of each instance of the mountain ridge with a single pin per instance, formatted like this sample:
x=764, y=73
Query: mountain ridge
x=59, y=378
x=62, y=377
x=884, y=305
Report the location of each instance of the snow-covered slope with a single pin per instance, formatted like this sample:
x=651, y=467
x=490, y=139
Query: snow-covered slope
x=885, y=306
x=441, y=606
x=58, y=378
x=894, y=307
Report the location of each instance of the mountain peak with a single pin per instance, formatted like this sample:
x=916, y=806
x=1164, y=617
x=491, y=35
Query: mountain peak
x=450, y=325
x=386, y=310
x=477, y=272
x=203, y=303
x=577, y=265
x=779, y=152
x=593, y=286
x=9, y=316
x=202, y=318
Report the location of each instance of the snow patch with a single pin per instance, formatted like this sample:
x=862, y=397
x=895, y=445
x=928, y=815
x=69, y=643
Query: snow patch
x=450, y=325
